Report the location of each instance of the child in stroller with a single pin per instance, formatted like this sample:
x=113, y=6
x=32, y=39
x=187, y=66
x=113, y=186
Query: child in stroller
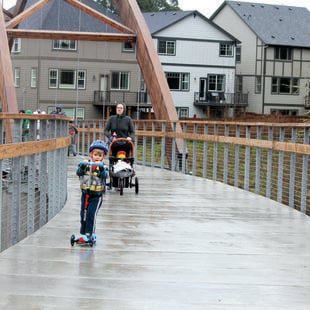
x=121, y=159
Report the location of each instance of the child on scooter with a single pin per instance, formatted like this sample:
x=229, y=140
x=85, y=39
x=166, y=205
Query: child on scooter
x=92, y=174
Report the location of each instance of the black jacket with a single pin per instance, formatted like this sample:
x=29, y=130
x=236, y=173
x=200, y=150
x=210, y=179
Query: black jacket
x=121, y=125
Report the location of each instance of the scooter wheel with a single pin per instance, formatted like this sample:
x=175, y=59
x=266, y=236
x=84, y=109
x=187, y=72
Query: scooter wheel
x=72, y=239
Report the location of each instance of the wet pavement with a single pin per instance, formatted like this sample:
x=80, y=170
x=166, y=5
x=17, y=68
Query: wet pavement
x=182, y=243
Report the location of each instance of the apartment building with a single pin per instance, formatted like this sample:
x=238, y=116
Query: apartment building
x=88, y=78
x=273, y=57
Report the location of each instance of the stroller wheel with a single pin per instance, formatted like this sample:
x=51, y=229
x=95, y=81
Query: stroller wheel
x=121, y=187
x=136, y=185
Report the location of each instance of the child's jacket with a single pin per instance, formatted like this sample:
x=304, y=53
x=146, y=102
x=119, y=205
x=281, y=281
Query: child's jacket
x=92, y=178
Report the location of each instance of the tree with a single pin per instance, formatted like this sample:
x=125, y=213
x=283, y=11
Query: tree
x=147, y=5
x=158, y=5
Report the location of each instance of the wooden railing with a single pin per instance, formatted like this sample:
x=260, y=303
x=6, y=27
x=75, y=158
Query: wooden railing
x=269, y=159
x=33, y=163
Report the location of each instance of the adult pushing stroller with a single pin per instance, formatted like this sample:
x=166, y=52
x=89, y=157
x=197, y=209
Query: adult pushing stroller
x=121, y=172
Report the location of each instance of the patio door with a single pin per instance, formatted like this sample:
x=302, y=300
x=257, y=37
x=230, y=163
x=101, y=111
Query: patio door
x=103, y=88
x=203, y=87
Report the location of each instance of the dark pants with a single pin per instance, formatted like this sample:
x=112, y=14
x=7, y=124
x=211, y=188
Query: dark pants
x=90, y=206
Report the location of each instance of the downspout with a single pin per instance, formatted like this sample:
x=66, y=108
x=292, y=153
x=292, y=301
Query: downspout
x=264, y=78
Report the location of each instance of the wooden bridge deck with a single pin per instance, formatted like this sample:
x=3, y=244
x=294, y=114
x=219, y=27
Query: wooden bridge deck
x=182, y=243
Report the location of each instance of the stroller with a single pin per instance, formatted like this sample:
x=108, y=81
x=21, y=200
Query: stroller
x=121, y=172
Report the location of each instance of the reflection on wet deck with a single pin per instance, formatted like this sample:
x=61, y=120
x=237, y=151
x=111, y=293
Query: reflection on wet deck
x=182, y=243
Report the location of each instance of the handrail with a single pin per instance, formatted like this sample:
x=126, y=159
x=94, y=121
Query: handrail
x=33, y=164
x=268, y=158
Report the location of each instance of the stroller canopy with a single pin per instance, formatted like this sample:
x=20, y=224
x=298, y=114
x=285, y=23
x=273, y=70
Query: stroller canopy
x=121, y=148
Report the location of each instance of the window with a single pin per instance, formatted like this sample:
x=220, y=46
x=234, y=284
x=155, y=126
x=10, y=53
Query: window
x=178, y=81
x=226, y=49
x=64, y=45
x=238, y=84
x=283, y=53
x=238, y=53
x=53, y=78
x=166, y=47
x=285, y=85
x=283, y=112
x=120, y=80
x=81, y=79
x=74, y=113
x=128, y=47
x=17, y=77
x=33, y=78
x=182, y=112
x=16, y=47
x=142, y=84
x=80, y=113
x=216, y=83
x=258, y=84
x=67, y=79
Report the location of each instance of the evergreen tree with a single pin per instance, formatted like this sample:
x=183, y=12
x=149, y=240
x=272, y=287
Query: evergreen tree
x=147, y=5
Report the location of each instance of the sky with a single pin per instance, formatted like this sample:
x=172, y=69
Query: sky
x=208, y=7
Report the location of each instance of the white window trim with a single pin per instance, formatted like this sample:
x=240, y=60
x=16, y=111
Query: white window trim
x=17, y=46
x=17, y=77
x=76, y=79
x=60, y=46
x=33, y=77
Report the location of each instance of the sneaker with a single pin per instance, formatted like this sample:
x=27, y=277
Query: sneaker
x=94, y=237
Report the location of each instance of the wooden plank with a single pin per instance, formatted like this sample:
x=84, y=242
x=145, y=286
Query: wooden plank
x=70, y=35
x=7, y=88
x=150, y=64
x=149, y=61
x=93, y=13
x=22, y=16
x=7, y=13
x=28, y=148
x=101, y=17
x=265, y=144
x=19, y=7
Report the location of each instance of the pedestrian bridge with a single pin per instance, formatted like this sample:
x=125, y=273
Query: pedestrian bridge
x=183, y=242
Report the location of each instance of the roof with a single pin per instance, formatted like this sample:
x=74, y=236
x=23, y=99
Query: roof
x=158, y=21
x=274, y=24
x=60, y=15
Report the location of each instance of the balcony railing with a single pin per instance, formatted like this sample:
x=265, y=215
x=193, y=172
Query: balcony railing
x=220, y=99
x=129, y=98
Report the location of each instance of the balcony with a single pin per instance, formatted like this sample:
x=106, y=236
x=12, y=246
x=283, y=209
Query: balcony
x=217, y=99
x=131, y=99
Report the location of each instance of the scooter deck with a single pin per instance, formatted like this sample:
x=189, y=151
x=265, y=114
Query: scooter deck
x=82, y=240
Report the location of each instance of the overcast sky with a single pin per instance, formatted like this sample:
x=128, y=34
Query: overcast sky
x=207, y=7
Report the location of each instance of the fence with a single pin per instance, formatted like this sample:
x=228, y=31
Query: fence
x=33, y=162
x=270, y=159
